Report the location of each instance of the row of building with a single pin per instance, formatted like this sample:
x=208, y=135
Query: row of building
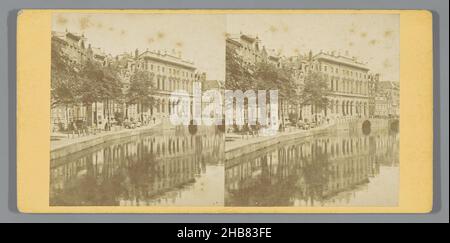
x=353, y=90
x=167, y=71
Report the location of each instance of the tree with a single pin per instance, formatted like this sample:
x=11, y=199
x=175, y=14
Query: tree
x=270, y=77
x=315, y=91
x=141, y=91
x=263, y=75
x=112, y=88
x=64, y=78
x=98, y=84
x=239, y=76
x=87, y=82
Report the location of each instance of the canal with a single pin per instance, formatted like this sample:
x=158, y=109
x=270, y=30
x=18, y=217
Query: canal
x=339, y=169
x=162, y=168
x=175, y=168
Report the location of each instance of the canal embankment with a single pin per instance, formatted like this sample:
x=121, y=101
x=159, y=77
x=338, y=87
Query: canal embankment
x=244, y=146
x=69, y=146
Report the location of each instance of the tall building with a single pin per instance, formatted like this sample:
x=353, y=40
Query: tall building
x=167, y=72
x=387, y=99
x=248, y=47
x=251, y=49
x=348, y=84
x=72, y=46
x=374, y=80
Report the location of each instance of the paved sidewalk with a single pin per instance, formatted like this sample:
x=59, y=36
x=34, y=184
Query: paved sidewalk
x=56, y=144
x=247, y=140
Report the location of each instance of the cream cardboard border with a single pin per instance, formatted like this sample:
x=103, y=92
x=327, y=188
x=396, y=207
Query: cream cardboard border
x=416, y=123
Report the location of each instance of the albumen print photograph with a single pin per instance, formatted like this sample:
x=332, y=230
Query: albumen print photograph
x=112, y=142
x=337, y=140
x=224, y=110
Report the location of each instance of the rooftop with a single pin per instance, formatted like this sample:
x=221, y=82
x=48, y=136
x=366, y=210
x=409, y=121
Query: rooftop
x=340, y=59
x=388, y=85
x=164, y=57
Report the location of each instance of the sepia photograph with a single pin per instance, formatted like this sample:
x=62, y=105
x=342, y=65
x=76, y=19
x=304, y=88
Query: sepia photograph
x=228, y=110
x=219, y=119
x=335, y=125
x=113, y=80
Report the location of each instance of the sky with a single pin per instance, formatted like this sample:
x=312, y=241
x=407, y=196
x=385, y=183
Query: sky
x=372, y=38
x=199, y=38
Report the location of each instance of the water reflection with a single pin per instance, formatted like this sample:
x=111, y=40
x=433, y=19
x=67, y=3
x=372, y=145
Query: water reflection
x=164, y=168
x=340, y=169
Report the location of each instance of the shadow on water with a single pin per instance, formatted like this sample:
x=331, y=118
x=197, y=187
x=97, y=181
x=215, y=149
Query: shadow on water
x=394, y=126
x=332, y=170
x=153, y=169
x=366, y=127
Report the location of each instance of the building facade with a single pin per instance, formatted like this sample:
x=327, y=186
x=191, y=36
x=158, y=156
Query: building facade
x=251, y=50
x=374, y=80
x=167, y=72
x=351, y=85
x=348, y=84
x=387, y=99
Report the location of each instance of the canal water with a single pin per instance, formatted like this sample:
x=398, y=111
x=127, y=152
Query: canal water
x=175, y=168
x=164, y=168
x=337, y=169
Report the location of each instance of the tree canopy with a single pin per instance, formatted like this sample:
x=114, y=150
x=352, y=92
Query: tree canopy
x=315, y=90
x=141, y=89
x=239, y=76
x=63, y=76
x=86, y=82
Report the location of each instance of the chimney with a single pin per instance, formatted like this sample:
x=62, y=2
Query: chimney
x=136, y=53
